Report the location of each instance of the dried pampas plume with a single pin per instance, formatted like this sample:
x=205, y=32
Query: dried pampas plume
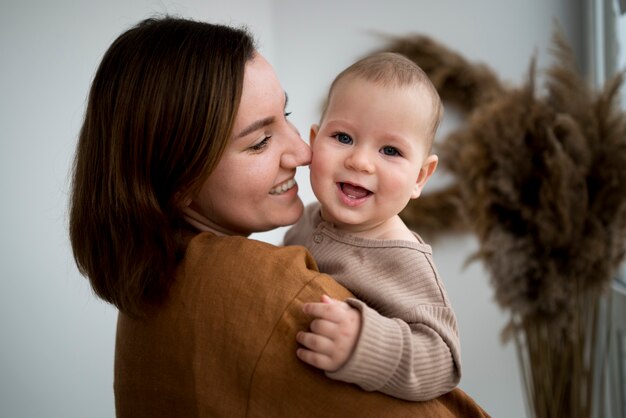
x=541, y=179
x=458, y=81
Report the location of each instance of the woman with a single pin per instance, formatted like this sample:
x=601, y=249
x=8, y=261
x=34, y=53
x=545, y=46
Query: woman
x=185, y=150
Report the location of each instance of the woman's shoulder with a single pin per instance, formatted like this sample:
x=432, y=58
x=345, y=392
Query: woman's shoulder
x=244, y=269
x=235, y=253
x=238, y=244
x=256, y=266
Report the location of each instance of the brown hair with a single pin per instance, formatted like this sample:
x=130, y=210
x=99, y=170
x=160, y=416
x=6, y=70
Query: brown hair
x=393, y=69
x=159, y=115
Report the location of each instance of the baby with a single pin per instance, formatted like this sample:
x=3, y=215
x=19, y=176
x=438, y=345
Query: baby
x=371, y=155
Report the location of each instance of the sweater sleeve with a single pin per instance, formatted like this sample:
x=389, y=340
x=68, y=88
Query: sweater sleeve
x=415, y=358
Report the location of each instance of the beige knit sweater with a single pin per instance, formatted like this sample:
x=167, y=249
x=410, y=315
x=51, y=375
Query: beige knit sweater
x=409, y=343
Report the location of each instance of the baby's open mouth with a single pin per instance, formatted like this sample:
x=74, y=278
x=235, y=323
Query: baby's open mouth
x=353, y=191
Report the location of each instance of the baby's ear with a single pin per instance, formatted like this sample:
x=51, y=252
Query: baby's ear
x=427, y=170
x=313, y=133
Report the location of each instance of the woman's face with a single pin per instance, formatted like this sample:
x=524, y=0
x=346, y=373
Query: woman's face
x=253, y=187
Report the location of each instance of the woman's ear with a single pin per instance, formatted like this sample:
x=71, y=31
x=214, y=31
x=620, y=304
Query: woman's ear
x=313, y=134
x=428, y=168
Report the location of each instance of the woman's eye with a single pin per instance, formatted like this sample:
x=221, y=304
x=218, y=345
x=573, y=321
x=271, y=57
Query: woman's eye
x=391, y=151
x=343, y=138
x=287, y=114
x=260, y=145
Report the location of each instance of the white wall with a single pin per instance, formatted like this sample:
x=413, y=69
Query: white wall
x=56, y=339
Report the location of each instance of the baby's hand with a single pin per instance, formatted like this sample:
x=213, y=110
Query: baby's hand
x=333, y=334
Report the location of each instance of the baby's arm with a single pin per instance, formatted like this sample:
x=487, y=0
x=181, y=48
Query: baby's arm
x=333, y=334
x=415, y=357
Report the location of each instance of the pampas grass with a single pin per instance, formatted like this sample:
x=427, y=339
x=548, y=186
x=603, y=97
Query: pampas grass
x=540, y=178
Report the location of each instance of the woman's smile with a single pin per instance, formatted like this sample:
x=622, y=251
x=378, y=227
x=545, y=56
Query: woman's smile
x=284, y=187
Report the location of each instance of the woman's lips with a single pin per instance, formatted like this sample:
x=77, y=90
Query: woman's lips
x=283, y=187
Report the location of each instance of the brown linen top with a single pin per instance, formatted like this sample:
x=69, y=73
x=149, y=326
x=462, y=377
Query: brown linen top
x=409, y=344
x=224, y=343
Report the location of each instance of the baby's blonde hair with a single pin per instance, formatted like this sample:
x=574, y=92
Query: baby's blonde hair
x=396, y=70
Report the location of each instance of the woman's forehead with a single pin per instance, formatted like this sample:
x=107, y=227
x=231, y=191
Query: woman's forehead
x=262, y=97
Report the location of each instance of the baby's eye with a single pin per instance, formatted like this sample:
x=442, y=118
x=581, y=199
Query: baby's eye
x=391, y=151
x=343, y=138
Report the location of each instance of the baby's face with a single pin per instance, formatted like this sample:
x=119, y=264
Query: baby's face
x=370, y=151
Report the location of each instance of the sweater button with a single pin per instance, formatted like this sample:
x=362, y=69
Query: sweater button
x=317, y=238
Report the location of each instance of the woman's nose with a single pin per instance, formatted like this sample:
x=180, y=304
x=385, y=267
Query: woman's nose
x=359, y=160
x=297, y=152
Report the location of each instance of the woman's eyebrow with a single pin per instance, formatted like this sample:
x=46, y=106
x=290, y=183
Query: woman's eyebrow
x=261, y=123
x=256, y=125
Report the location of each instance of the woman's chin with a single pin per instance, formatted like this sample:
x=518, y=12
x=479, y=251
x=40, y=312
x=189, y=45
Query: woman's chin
x=294, y=214
x=288, y=218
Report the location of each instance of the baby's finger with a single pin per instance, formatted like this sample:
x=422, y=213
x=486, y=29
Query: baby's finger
x=313, y=342
x=324, y=327
x=321, y=361
x=331, y=311
x=327, y=299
